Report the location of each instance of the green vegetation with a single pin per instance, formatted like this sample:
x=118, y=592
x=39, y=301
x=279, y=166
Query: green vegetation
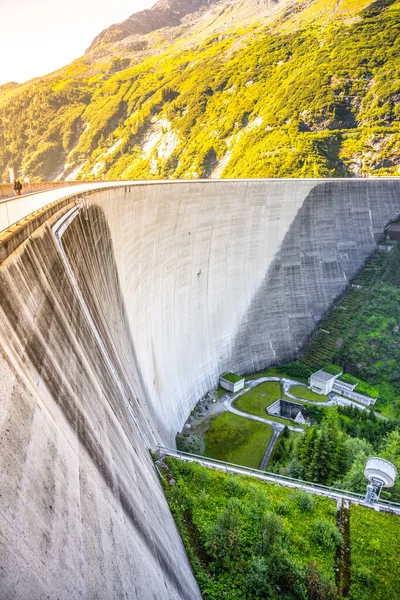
x=284, y=449
x=237, y=440
x=364, y=333
x=321, y=453
x=293, y=370
x=375, y=557
x=312, y=94
x=334, y=450
x=307, y=394
x=347, y=378
x=248, y=540
x=232, y=377
x=258, y=398
x=332, y=369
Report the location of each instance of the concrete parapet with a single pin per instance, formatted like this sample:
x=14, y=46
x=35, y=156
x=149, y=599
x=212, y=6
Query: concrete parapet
x=7, y=192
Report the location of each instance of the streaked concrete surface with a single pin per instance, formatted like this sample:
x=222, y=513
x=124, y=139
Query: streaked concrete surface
x=183, y=281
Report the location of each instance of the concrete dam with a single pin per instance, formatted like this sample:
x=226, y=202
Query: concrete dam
x=121, y=304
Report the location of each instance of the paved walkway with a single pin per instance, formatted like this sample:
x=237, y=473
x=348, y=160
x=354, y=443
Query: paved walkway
x=277, y=427
x=268, y=452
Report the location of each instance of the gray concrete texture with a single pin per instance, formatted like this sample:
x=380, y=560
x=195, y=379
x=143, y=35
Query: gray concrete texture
x=183, y=281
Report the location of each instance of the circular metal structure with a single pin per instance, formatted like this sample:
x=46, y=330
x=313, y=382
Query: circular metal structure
x=380, y=470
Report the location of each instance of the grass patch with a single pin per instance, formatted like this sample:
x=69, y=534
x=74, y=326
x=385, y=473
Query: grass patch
x=258, y=398
x=333, y=369
x=237, y=440
x=307, y=394
x=232, y=377
x=375, y=557
x=293, y=370
x=347, y=378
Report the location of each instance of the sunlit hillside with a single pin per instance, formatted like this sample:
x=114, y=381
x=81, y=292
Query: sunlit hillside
x=310, y=90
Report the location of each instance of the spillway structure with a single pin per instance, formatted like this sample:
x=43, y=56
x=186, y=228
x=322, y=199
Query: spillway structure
x=120, y=306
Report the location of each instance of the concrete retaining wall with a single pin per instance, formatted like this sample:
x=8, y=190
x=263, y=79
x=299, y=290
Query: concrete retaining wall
x=183, y=281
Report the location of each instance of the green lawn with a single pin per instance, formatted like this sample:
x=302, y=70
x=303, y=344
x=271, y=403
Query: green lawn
x=257, y=399
x=237, y=440
x=307, y=394
x=375, y=556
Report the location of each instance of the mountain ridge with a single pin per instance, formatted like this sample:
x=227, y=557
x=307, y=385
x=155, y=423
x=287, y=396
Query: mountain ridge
x=309, y=90
x=171, y=13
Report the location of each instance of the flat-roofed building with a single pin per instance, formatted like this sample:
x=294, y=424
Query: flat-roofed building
x=344, y=385
x=231, y=382
x=322, y=382
x=392, y=232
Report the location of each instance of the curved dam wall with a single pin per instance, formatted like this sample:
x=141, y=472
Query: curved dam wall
x=112, y=331
x=233, y=274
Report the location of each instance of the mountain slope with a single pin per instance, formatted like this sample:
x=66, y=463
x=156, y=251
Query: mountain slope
x=304, y=89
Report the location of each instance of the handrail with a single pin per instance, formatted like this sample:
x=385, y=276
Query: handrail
x=276, y=477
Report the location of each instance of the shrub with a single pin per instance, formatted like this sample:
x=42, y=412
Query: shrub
x=234, y=488
x=366, y=577
x=304, y=501
x=296, y=370
x=271, y=531
x=326, y=535
x=257, y=579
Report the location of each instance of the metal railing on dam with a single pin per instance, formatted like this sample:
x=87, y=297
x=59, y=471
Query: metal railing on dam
x=14, y=209
x=7, y=191
x=307, y=486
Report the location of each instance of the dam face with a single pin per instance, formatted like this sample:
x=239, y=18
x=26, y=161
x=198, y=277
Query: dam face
x=117, y=314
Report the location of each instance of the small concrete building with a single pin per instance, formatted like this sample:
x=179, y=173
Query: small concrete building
x=322, y=382
x=392, y=232
x=343, y=386
x=288, y=410
x=231, y=382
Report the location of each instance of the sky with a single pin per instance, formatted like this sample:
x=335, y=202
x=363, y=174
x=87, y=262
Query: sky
x=40, y=36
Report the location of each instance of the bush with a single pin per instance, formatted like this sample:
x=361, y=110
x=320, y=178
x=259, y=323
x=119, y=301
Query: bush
x=234, y=488
x=304, y=501
x=257, y=579
x=366, y=577
x=326, y=535
x=271, y=532
x=296, y=370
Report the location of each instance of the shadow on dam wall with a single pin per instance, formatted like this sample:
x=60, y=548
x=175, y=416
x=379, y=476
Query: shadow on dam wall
x=332, y=235
x=89, y=249
x=82, y=514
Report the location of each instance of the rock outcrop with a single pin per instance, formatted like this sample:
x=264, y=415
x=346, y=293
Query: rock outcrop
x=171, y=13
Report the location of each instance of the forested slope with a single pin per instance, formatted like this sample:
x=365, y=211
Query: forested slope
x=312, y=92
